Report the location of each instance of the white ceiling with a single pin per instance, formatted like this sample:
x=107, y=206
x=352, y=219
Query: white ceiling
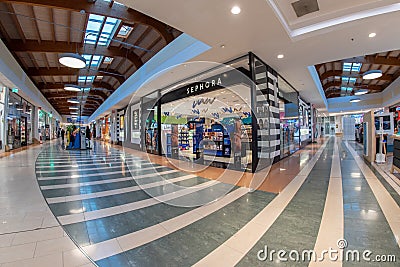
x=236, y=97
x=258, y=29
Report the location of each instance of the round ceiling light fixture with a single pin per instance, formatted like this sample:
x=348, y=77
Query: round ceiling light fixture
x=355, y=100
x=72, y=88
x=72, y=60
x=372, y=74
x=361, y=92
x=236, y=10
x=280, y=56
x=73, y=101
x=372, y=35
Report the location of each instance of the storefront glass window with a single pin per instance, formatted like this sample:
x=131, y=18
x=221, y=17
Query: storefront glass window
x=289, y=119
x=211, y=128
x=19, y=122
x=2, y=116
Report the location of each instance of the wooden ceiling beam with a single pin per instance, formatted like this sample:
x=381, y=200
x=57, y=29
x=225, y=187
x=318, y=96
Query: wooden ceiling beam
x=64, y=47
x=4, y=33
x=332, y=73
x=151, y=46
x=102, y=8
x=94, y=93
x=336, y=86
x=72, y=72
x=374, y=59
x=69, y=26
x=53, y=26
x=63, y=100
x=36, y=24
x=83, y=30
x=142, y=36
x=49, y=86
x=16, y=22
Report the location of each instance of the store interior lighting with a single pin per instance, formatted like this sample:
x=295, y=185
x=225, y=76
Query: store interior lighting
x=72, y=60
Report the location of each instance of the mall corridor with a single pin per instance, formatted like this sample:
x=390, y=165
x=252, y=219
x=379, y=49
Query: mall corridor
x=121, y=209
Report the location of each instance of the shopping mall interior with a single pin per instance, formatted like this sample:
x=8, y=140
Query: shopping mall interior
x=199, y=133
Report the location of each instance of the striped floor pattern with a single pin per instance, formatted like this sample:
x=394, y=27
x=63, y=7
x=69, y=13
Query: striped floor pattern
x=114, y=206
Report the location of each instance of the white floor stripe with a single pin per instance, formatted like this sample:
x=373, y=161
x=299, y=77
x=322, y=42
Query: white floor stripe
x=240, y=244
x=77, y=157
x=75, y=166
x=108, y=181
x=39, y=164
x=91, y=169
x=331, y=228
x=97, y=214
x=390, y=178
x=133, y=240
x=74, y=176
x=103, y=193
x=389, y=207
x=92, y=159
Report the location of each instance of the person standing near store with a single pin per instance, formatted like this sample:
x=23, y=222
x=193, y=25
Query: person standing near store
x=43, y=134
x=94, y=133
x=62, y=133
x=88, y=136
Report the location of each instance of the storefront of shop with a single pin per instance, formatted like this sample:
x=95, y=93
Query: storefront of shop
x=46, y=125
x=19, y=122
x=229, y=118
x=289, y=118
x=3, y=93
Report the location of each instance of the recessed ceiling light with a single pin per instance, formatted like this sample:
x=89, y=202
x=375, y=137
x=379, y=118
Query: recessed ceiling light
x=355, y=100
x=280, y=56
x=72, y=88
x=361, y=92
x=72, y=60
x=73, y=108
x=372, y=35
x=223, y=46
x=73, y=101
x=372, y=74
x=235, y=10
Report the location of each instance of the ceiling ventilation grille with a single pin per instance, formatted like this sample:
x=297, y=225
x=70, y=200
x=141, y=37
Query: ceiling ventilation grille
x=304, y=7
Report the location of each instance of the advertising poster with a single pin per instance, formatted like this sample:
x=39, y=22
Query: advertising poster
x=174, y=141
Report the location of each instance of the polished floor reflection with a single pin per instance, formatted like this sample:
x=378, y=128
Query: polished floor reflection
x=124, y=208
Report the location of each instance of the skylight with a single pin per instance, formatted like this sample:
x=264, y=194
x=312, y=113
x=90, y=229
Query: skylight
x=124, y=31
x=348, y=79
x=356, y=67
x=95, y=28
x=93, y=60
x=345, y=90
x=86, y=79
x=115, y=2
x=108, y=60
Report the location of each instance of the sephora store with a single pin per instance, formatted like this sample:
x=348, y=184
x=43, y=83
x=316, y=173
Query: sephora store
x=226, y=117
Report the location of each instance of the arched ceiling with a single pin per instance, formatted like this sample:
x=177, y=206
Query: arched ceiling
x=114, y=39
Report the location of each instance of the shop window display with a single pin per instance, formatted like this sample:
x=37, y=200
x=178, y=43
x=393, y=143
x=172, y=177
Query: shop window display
x=290, y=119
x=19, y=124
x=2, y=115
x=212, y=128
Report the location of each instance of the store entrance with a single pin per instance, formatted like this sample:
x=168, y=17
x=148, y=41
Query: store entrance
x=24, y=131
x=213, y=129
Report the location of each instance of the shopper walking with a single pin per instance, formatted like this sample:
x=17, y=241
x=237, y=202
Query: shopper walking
x=62, y=135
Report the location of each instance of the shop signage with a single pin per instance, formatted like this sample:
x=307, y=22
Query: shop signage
x=216, y=82
x=135, y=119
x=203, y=85
x=14, y=90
